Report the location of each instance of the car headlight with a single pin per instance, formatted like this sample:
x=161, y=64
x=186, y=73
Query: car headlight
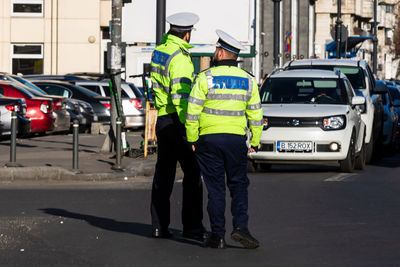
x=334, y=123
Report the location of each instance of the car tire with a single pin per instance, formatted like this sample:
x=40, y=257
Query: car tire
x=347, y=165
x=361, y=158
x=370, y=150
x=264, y=166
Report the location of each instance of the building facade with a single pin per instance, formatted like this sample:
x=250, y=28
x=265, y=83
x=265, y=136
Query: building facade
x=296, y=32
x=53, y=36
x=358, y=18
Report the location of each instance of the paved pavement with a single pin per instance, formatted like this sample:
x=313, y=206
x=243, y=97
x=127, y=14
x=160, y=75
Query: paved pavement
x=50, y=158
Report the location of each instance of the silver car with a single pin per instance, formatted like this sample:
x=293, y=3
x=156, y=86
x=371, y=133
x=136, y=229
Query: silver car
x=132, y=100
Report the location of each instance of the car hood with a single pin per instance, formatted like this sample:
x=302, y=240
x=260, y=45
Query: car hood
x=303, y=110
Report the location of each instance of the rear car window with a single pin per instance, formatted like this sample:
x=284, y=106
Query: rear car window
x=303, y=91
x=107, y=92
x=354, y=74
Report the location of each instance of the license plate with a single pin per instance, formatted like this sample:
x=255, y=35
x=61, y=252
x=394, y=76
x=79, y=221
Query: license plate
x=294, y=146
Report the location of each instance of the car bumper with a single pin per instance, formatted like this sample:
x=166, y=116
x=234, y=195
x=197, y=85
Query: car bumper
x=42, y=124
x=62, y=120
x=320, y=144
x=135, y=120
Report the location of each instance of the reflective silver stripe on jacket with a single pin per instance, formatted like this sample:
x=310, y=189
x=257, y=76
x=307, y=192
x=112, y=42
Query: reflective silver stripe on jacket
x=236, y=97
x=210, y=83
x=196, y=101
x=250, y=86
x=191, y=117
x=156, y=85
x=180, y=96
x=221, y=112
x=254, y=107
x=256, y=123
x=181, y=80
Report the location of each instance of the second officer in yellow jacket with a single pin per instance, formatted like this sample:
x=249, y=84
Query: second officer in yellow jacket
x=224, y=101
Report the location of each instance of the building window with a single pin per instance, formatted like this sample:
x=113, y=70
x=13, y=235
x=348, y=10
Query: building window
x=27, y=8
x=27, y=58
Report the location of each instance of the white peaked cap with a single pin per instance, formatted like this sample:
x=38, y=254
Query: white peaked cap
x=183, y=20
x=229, y=43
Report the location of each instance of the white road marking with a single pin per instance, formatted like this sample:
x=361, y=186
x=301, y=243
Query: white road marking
x=340, y=177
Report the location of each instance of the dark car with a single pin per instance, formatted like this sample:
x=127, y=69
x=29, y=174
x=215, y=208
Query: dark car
x=395, y=96
x=7, y=106
x=39, y=109
x=101, y=105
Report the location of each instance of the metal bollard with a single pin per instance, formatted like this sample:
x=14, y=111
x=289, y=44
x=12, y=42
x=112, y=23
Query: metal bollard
x=75, y=153
x=117, y=166
x=13, y=142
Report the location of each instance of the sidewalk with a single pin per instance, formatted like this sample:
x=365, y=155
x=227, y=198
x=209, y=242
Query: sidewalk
x=50, y=158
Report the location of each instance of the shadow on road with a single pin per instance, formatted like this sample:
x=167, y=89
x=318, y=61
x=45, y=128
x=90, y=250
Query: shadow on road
x=139, y=229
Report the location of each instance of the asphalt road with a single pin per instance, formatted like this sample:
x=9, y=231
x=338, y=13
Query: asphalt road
x=302, y=215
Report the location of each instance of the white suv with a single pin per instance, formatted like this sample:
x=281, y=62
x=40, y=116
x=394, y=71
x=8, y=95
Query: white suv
x=360, y=75
x=311, y=115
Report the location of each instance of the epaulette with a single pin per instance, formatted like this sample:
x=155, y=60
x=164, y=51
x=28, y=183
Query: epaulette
x=251, y=74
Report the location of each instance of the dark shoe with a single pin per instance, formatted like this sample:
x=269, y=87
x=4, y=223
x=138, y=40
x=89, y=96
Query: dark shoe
x=243, y=236
x=196, y=234
x=214, y=241
x=162, y=233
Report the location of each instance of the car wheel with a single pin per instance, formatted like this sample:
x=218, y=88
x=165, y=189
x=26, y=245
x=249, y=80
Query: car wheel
x=264, y=166
x=360, y=159
x=251, y=166
x=347, y=165
x=370, y=150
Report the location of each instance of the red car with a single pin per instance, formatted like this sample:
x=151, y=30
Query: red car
x=38, y=109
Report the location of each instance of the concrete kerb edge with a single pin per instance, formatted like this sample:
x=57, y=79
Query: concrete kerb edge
x=145, y=168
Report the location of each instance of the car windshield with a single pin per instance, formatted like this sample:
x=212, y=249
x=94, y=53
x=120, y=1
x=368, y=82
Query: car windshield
x=137, y=92
x=29, y=84
x=354, y=74
x=84, y=90
x=303, y=91
x=395, y=95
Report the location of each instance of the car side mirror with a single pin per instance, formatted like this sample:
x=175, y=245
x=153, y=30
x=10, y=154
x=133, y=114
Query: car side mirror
x=358, y=100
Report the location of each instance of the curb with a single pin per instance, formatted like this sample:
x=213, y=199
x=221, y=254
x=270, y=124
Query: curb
x=145, y=168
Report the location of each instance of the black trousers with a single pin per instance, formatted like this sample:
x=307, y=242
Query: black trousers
x=221, y=155
x=172, y=148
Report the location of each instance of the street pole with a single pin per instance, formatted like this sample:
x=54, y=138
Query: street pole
x=338, y=31
x=375, y=40
x=115, y=72
x=160, y=23
x=276, y=32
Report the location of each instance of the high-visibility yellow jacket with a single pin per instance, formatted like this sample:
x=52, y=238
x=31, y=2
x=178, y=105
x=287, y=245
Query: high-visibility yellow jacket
x=172, y=76
x=224, y=99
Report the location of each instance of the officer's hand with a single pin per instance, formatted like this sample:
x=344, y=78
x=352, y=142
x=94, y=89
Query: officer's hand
x=253, y=149
x=193, y=148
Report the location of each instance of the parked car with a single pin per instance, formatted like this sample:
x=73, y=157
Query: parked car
x=309, y=116
x=7, y=106
x=132, y=100
x=39, y=109
x=62, y=116
x=101, y=105
x=395, y=96
x=363, y=81
x=83, y=112
x=390, y=119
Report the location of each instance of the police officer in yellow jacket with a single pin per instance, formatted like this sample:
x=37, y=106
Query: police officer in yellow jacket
x=223, y=102
x=172, y=77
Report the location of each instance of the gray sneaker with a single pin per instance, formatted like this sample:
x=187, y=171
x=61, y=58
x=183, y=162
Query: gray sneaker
x=243, y=236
